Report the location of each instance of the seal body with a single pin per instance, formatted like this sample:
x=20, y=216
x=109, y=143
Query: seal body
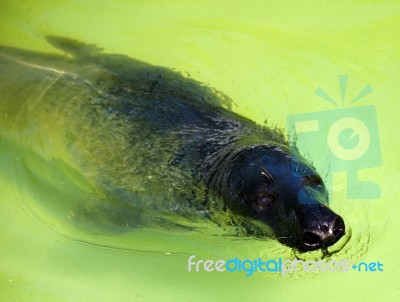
x=160, y=145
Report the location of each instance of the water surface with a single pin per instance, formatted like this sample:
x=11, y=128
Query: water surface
x=269, y=58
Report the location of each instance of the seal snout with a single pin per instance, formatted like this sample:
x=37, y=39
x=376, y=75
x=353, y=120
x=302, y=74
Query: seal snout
x=322, y=235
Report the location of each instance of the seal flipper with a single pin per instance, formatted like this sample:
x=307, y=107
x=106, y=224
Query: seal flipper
x=72, y=47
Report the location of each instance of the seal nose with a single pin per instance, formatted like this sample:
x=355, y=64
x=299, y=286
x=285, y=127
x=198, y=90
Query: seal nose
x=323, y=235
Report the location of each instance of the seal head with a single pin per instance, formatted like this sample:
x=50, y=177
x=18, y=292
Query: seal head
x=281, y=189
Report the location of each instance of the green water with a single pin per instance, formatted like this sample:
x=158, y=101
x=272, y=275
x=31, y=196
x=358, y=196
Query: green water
x=269, y=58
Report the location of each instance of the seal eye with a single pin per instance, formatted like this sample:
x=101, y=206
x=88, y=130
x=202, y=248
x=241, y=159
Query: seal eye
x=313, y=181
x=265, y=201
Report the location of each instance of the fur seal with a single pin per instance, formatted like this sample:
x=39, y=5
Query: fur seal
x=162, y=148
